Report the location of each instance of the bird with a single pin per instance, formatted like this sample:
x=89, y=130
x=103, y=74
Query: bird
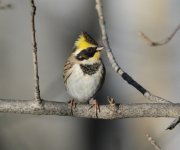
x=84, y=71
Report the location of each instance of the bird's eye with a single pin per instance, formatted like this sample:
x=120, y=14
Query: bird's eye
x=90, y=50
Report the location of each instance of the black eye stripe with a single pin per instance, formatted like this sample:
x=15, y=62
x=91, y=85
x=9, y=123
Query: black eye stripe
x=86, y=54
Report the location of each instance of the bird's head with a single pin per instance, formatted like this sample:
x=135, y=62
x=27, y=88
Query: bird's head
x=86, y=49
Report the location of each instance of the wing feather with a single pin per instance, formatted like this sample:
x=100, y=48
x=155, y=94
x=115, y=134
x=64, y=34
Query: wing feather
x=67, y=70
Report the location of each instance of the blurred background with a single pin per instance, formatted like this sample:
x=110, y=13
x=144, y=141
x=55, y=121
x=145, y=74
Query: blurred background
x=58, y=23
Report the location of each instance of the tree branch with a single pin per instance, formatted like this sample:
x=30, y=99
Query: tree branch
x=153, y=142
x=173, y=124
x=118, y=69
x=117, y=111
x=34, y=53
x=162, y=42
x=115, y=65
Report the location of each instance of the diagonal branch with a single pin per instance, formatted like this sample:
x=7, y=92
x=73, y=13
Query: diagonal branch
x=159, y=43
x=108, y=112
x=34, y=53
x=153, y=142
x=115, y=65
x=123, y=74
x=173, y=124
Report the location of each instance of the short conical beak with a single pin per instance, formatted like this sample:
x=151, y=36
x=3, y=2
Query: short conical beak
x=99, y=48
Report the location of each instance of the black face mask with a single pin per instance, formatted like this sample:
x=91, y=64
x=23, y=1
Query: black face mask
x=86, y=54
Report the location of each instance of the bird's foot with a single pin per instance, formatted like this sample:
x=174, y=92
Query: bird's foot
x=96, y=106
x=72, y=105
x=111, y=102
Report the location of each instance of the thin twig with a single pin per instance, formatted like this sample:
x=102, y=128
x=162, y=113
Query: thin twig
x=109, y=112
x=115, y=65
x=153, y=142
x=173, y=124
x=159, y=43
x=34, y=53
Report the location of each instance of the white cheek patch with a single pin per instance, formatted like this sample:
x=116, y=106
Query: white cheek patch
x=76, y=52
x=89, y=62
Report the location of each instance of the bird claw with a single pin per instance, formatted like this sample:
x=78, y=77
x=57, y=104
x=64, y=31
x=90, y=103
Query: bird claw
x=72, y=105
x=111, y=101
x=96, y=105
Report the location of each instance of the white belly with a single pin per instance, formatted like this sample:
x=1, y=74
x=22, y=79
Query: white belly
x=82, y=86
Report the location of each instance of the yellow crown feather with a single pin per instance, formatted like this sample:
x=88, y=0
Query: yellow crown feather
x=84, y=41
